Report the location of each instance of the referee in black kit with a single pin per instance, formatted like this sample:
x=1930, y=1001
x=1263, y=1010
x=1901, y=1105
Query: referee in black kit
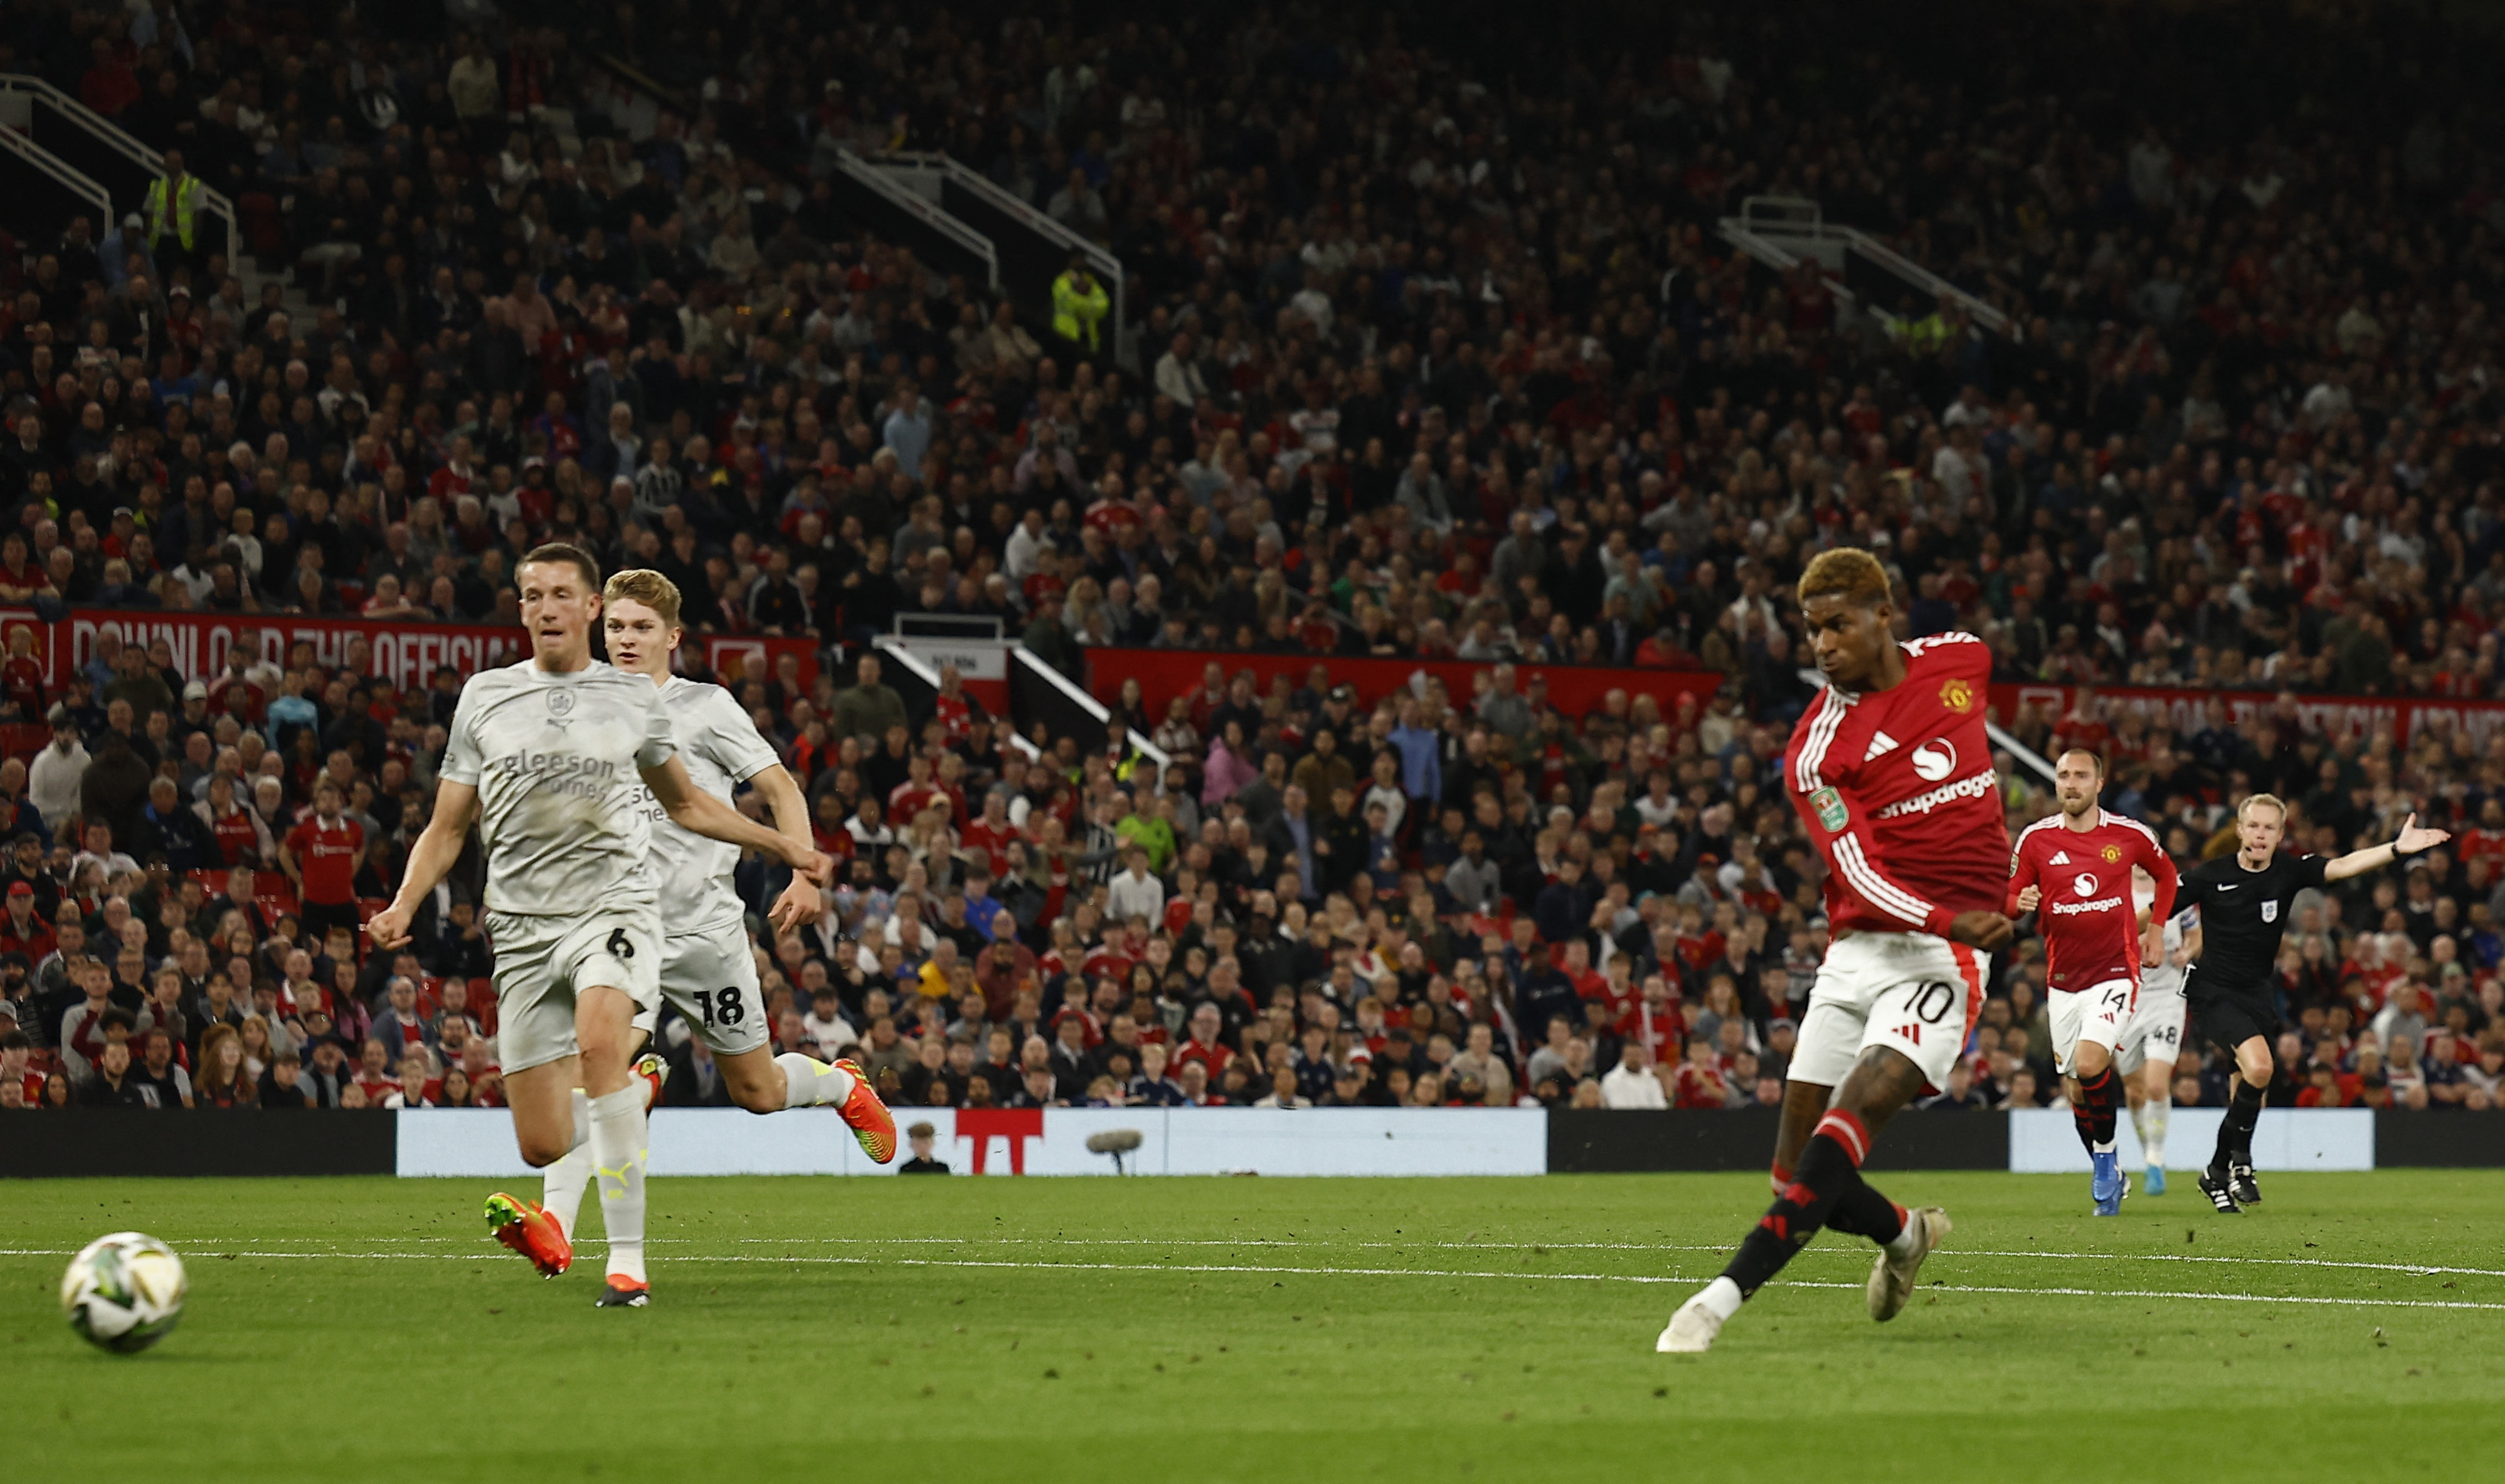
x=2245, y=900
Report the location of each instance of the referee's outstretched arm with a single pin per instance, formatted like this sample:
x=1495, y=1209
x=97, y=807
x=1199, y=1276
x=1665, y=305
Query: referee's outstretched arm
x=2409, y=842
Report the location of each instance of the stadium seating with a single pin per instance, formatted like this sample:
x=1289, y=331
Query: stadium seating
x=1420, y=356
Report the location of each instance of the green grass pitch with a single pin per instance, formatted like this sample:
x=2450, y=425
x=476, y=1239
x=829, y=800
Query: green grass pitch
x=1274, y=1331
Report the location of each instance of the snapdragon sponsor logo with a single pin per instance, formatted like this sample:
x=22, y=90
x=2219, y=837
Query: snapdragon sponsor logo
x=2074, y=908
x=1964, y=788
x=560, y=772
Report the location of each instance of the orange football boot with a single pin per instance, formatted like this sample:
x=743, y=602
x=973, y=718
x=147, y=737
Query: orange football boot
x=872, y=1124
x=623, y=1293
x=527, y=1228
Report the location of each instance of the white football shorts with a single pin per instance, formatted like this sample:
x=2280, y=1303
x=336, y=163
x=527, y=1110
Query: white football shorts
x=1913, y=993
x=711, y=980
x=2155, y=1030
x=541, y=962
x=2097, y=1014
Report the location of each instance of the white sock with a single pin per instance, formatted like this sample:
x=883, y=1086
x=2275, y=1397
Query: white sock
x=2102, y=1147
x=2152, y=1129
x=1902, y=1244
x=564, y=1181
x=1721, y=1297
x=808, y=1082
x=618, y=1125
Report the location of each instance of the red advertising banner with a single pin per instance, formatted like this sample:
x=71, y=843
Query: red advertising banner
x=403, y=653
x=2186, y=711
x=1575, y=689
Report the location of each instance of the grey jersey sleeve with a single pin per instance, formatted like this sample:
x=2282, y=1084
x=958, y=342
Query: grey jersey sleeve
x=733, y=739
x=461, y=759
x=660, y=739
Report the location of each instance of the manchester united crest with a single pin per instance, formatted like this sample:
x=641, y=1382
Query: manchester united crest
x=2112, y=852
x=1958, y=694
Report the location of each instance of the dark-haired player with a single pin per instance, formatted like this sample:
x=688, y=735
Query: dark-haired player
x=1891, y=771
x=550, y=759
x=2243, y=901
x=2072, y=869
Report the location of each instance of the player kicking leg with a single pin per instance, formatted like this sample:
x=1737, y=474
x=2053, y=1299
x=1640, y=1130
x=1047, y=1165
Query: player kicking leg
x=1890, y=773
x=1887, y=1019
x=545, y=756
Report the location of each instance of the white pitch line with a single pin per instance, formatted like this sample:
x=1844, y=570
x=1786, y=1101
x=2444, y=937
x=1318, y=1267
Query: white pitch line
x=2413, y=1269
x=1393, y=1272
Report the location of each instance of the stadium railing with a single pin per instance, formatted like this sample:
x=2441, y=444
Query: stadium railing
x=104, y=151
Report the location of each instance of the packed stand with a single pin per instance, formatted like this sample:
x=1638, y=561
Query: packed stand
x=1418, y=363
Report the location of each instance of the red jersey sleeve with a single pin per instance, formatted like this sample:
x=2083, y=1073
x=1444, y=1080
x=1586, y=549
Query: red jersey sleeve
x=2169, y=881
x=2023, y=871
x=1841, y=827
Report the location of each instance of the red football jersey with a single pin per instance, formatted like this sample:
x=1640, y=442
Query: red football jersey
x=1898, y=790
x=2483, y=844
x=236, y=834
x=327, y=855
x=979, y=835
x=2090, y=926
x=22, y=684
x=954, y=713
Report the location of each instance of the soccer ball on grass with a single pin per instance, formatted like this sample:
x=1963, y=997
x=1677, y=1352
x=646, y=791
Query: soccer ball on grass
x=124, y=1291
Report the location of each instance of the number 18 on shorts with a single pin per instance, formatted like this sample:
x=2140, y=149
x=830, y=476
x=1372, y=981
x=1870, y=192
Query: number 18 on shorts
x=711, y=980
x=2097, y=1015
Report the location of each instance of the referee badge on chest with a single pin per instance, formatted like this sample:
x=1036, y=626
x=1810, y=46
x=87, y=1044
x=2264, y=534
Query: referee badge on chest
x=2270, y=911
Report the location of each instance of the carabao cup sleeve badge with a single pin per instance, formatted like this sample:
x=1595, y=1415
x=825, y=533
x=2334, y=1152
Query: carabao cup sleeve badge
x=1829, y=806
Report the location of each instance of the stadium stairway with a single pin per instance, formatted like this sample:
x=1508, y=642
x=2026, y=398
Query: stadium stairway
x=59, y=159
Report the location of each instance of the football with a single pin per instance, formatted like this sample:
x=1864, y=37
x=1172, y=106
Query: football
x=124, y=1291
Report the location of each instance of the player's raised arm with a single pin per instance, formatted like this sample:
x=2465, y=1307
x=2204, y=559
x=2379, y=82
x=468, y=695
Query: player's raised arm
x=2409, y=842
x=693, y=808
x=438, y=845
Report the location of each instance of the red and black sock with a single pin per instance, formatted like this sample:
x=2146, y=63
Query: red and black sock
x=1862, y=1212
x=1826, y=1188
x=1859, y=1212
x=2094, y=1115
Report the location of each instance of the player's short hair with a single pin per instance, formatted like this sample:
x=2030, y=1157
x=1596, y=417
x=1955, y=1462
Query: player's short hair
x=2088, y=753
x=1849, y=572
x=642, y=584
x=562, y=551
x=2271, y=799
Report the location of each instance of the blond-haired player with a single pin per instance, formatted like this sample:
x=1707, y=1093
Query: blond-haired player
x=554, y=759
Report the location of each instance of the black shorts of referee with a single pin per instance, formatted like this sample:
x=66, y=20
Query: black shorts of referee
x=2228, y=1015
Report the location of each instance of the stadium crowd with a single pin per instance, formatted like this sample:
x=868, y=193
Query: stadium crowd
x=1420, y=359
